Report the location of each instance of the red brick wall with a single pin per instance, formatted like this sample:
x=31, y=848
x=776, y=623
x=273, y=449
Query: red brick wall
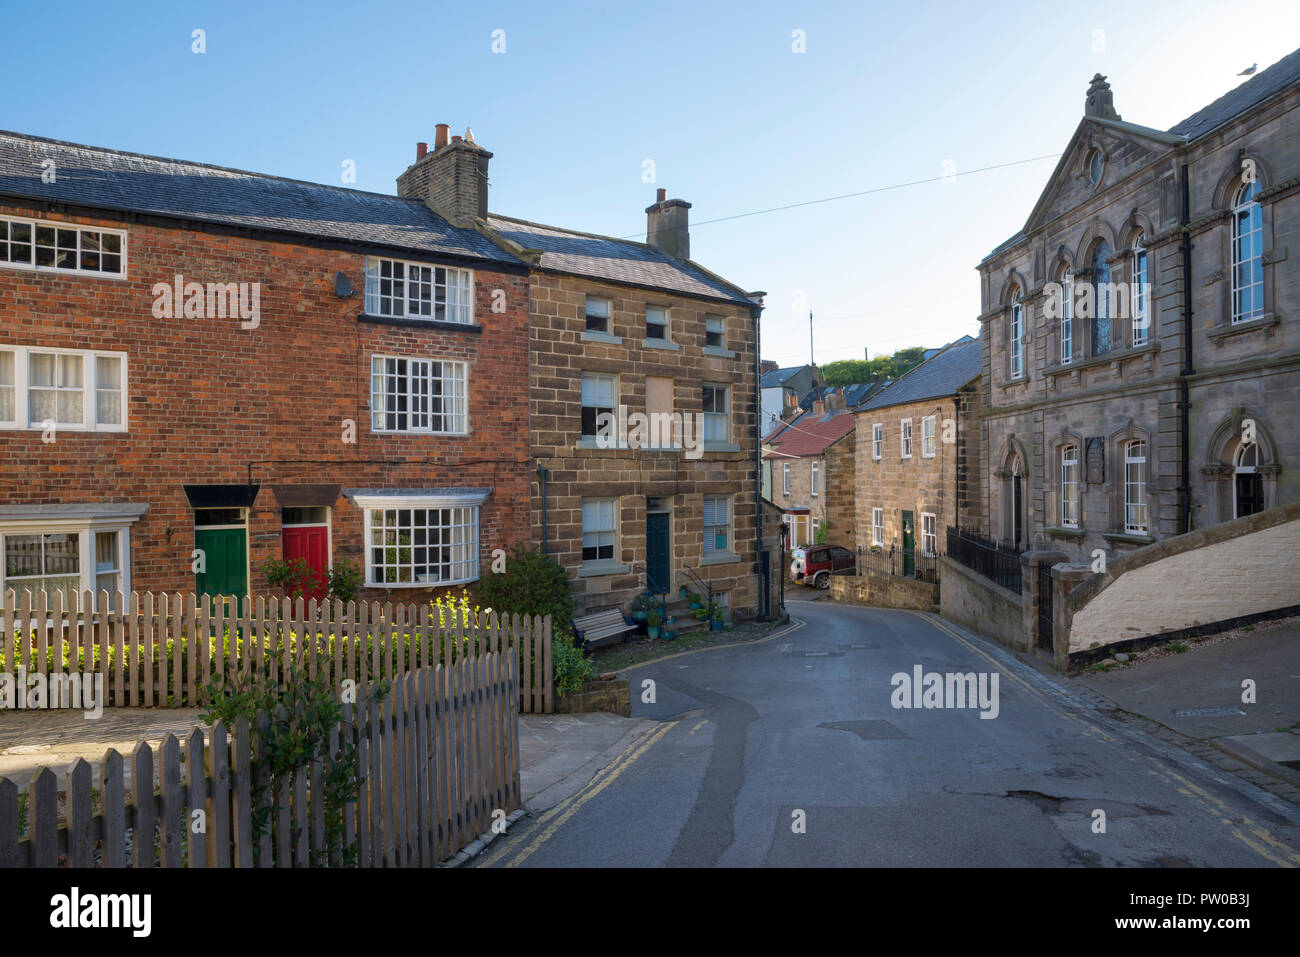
x=207, y=398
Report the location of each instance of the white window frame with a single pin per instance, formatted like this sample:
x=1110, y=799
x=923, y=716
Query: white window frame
x=369, y=504
x=667, y=323
x=458, y=400
x=1140, y=307
x=928, y=437
x=374, y=300
x=709, y=541
x=905, y=438
x=721, y=330
x=599, y=530
x=877, y=441
x=89, y=390
x=6, y=229
x=597, y=379
x=1238, y=468
x=1135, y=489
x=715, y=417
x=1016, y=334
x=930, y=535
x=86, y=528
x=785, y=476
x=1067, y=317
x=1069, y=472
x=1250, y=208
x=878, y=526
x=608, y=317
x=814, y=478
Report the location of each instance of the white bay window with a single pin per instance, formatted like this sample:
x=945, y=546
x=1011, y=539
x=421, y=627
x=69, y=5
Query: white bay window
x=416, y=540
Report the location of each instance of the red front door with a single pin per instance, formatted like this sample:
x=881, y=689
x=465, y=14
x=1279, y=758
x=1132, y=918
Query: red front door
x=312, y=544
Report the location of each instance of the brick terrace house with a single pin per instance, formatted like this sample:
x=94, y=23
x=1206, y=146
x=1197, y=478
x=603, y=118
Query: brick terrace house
x=914, y=443
x=1176, y=405
x=809, y=467
x=369, y=402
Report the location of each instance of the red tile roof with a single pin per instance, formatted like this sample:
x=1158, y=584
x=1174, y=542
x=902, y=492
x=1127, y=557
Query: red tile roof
x=810, y=435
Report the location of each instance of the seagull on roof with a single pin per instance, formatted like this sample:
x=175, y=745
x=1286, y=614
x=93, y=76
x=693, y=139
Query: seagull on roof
x=1249, y=70
x=469, y=131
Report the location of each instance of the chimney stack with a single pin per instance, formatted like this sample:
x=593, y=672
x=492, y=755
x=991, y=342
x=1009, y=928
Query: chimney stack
x=835, y=400
x=452, y=180
x=668, y=226
x=819, y=407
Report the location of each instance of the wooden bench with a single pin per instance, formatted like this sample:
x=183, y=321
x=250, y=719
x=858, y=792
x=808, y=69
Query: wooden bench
x=601, y=628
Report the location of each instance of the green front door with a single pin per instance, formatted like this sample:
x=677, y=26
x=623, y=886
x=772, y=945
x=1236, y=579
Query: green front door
x=225, y=562
x=909, y=545
x=658, y=548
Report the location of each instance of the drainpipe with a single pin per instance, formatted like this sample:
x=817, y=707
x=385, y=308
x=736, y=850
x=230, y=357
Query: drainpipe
x=1184, y=390
x=543, y=475
x=758, y=472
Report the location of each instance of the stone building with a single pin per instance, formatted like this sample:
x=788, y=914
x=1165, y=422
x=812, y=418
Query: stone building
x=809, y=467
x=781, y=389
x=644, y=398
x=914, y=439
x=1141, y=353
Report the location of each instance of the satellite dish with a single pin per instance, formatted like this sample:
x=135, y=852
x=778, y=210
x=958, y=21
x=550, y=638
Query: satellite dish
x=342, y=285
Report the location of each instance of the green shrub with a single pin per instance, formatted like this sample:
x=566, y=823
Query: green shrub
x=345, y=581
x=572, y=667
x=532, y=584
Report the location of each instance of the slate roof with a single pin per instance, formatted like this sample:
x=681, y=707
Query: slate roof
x=810, y=434
x=777, y=377
x=615, y=260
x=1258, y=88
x=941, y=376
x=109, y=179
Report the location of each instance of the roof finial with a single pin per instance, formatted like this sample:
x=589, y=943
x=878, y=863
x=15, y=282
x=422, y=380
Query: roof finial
x=1100, y=101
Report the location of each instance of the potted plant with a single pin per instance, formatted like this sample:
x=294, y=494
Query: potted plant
x=683, y=591
x=640, y=607
x=696, y=601
x=718, y=620
x=652, y=622
x=670, y=629
x=701, y=614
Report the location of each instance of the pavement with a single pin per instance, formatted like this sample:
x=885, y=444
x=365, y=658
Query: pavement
x=560, y=753
x=1206, y=694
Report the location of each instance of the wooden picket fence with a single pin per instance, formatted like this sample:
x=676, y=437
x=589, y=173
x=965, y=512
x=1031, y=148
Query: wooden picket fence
x=164, y=650
x=437, y=764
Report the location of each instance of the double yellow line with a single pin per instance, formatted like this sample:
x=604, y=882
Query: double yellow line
x=556, y=817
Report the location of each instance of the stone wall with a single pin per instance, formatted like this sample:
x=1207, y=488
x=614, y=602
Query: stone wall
x=560, y=352
x=838, y=488
x=1239, y=568
x=973, y=601
x=885, y=591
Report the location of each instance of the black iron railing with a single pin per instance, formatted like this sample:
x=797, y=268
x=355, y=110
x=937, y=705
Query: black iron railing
x=995, y=561
x=901, y=562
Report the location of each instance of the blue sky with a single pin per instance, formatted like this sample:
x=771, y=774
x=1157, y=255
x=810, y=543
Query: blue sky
x=734, y=120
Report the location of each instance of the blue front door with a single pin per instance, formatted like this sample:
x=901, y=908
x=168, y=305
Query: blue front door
x=658, y=548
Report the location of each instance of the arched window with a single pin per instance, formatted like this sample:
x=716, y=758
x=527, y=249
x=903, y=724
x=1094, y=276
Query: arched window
x=1141, y=300
x=1067, y=316
x=1015, y=502
x=1016, y=337
x=1101, y=299
x=1248, y=484
x=1247, y=255
x=1136, y=520
x=1070, y=486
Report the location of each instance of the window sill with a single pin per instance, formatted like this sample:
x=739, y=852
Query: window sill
x=719, y=558
x=420, y=323
x=596, y=569
x=591, y=335
x=1011, y=383
x=1220, y=333
x=713, y=445
x=660, y=344
x=1128, y=538
x=591, y=442
x=1115, y=355
x=719, y=351
x=387, y=586
x=1064, y=531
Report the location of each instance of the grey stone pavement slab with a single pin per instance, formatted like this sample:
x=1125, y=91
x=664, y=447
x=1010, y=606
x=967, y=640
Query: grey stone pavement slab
x=560, y=753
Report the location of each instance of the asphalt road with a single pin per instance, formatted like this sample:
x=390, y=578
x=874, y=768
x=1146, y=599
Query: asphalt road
x=791, y=753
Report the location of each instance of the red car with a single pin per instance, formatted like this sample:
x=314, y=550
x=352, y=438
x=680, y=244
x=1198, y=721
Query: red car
x=815, y=564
